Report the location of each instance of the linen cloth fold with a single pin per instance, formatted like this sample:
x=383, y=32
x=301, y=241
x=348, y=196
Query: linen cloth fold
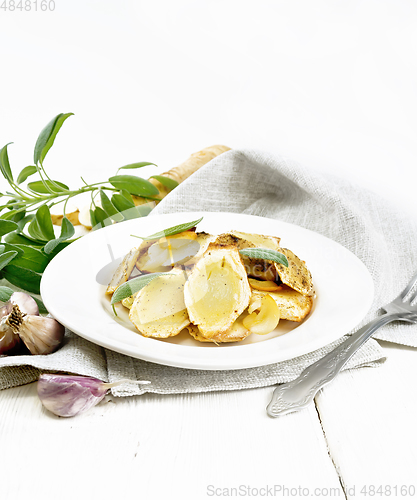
x=258, y=183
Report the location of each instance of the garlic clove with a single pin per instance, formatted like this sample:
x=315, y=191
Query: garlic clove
x=69, y=395
x=26, y=303
x=6, y=309
x=9, y=341
x=41, y=335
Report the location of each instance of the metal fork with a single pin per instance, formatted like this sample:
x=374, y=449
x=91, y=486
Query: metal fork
x=299, y=393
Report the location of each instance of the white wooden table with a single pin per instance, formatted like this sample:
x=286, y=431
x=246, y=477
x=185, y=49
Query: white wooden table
x=329, y=83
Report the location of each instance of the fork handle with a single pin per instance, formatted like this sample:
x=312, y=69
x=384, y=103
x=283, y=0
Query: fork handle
x=299, y=393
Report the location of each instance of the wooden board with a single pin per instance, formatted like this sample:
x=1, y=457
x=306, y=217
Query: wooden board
x=158, y=446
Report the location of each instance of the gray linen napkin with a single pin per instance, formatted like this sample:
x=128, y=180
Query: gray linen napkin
x=265, y=185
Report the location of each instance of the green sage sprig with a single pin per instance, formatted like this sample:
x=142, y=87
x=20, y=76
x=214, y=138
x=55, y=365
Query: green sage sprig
x=132, y=286
x=170, y=231
x=27, y=237
x=265, y=254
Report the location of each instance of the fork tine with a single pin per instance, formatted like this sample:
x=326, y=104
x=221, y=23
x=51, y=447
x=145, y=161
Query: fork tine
x=407, y=289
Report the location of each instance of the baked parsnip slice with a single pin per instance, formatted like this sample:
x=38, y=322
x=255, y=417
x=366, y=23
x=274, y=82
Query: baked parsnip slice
x=292, y=305
x=159, y=309
x=217, y=290
x=236, y=333
x=296, y=275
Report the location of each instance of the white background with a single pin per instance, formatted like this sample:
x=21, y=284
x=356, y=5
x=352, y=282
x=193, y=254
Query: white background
x=329, y=82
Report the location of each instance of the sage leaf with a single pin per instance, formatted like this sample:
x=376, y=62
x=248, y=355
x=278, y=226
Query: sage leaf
x=11, y=215
x=166, y=181
x=6, y=257
x=67, y=232
x=7, y=226
x=51, y=245
x=25, y=173
x=126, y=207
x=5, y=293
x=265, y=254
x=26, y=279
x=171, y=230
x=41, y=227
x=133, y=213
x=47, y=137
x=121, y=202
x=31, y=258
x=132, y=286
x=134, y=185
x=5, y=165
x=60, y=247
x=144, y=209
x=39, y=187
x=137, y=212
x=35, y=231
x=102, y=219
x=9, y=205
x=15, y=238
x=18, y=216
x=93, y=219
x=22, y=222
x=127, y=195
x=8, y=247
x=43, y=216
x=41, y=306
x=67, y=229
x=109, y=208
x=137, y=165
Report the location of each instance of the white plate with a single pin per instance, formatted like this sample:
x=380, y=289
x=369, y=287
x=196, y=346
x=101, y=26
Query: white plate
x=74, y=283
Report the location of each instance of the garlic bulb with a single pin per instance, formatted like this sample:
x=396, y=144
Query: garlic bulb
x=69, y=395
x=10, y=341
x=41, y=335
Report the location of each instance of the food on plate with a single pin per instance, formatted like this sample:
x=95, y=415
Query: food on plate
x=218, y=288
x=128, y=301
x=296, y=275
x=293, y=305
x=159, y=309
x=235, y=333
x=259, y=240
x=263, y=316
x=255, y=267
x=124, y=270
x=264, y=286
x=174, y=249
